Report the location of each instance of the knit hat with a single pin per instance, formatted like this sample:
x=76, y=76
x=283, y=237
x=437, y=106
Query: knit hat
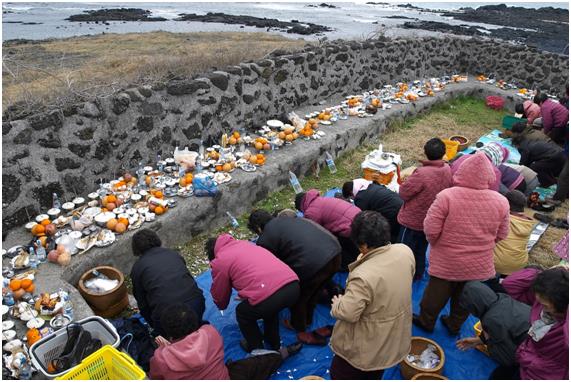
x=517, y=200
x=497, y=153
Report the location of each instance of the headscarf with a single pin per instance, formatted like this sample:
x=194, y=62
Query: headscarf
x=497, y=153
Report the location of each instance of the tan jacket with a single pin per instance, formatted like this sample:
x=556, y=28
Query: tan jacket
x=374, y=316
x=510, y=254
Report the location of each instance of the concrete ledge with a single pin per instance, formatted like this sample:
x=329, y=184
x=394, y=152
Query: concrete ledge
x=195, y=215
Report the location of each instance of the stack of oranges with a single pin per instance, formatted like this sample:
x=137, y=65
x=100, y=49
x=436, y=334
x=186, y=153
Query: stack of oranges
x=481, y=77
x=352, y=102
x=226, y=167
x=308, y=129
x=324, y=116
x=376, y=102
x=261, y=143
x=156, y=208
x=411, y=97
x=288, y=134
x=258, y=159
x=186, y=180
x=118, y=225
x=234, y=138
x=40, y=229
x=20, y=287
x=110, y=202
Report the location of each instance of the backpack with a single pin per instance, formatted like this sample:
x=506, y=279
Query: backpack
x=136, y=339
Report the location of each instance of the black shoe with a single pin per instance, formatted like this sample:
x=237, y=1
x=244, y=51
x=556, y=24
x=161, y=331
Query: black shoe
x=293, y=348
x=76, y=354
x=416, y=321
x=444, y=320
x=543, y=218
x=560, y=223
x=73, y=330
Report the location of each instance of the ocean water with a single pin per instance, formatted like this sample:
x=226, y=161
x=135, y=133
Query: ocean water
x=350, y=21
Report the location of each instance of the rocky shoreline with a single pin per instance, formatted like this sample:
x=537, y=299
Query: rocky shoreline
x=122, y=14
x=293, y=26
x=544, y=28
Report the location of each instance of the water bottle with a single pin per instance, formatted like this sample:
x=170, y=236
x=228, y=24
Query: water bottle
x=9, y=298
x=33, y=258
x=141, y=175
x=25, y=368
x=67, y=305
x=330, y=163
x=56, y=202
x=41, y=252
x=160, y=164
x=233, y=220
x=295, y=183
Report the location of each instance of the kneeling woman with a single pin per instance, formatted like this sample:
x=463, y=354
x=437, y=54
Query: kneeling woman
x=160, y=278
x=374, y=316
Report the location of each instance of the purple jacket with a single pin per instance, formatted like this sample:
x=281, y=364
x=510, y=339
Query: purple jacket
x=553, y=115
x=548, y=358
x=253, y=271
x=510, y=178
x=335, y=215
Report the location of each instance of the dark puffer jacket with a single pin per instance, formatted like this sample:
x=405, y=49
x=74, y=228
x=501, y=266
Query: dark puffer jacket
x=388, y=203
x=533, y=151
x=160, y=278
x=300, y=243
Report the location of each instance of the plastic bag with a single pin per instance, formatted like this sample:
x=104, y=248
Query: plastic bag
x=185, y=158
x=204, y=186
x=296, y=121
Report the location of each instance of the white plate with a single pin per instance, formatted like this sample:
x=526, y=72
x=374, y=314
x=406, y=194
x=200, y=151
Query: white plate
x=41, y=217
x=325, y=122
x=104, y=217
x=274, y=123
x=54, y=211
x=68, y=206
x=78, y=201
x=93, y=195
x=8, y=335
x=28, y=315
x=35, y=323
x=91, y=212
x=30, y=225
x=5, y=309
x=6, y=325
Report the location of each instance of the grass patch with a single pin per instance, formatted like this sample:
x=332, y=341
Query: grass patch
x=465, y=115
x=53, y=72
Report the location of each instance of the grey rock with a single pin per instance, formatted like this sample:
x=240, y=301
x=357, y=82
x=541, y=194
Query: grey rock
x=219, y=79
x=120, y=103
x=182, y=87
x=66, y=163
x=11, y=188
x=24, y=137
x=90, y=110
x=79, y=150
x=145, y=124
x=153, y=108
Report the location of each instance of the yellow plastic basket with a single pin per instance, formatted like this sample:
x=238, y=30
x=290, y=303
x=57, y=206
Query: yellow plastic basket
x=478, y=331
x=107, y=363
x=451, y=148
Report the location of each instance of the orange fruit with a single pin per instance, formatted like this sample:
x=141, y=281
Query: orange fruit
x=44, y=241
x=120, y=228
x=218, y=167
x=236, y=134
x=33, y=336
x=45, y=222
x=38, y=230
x=31, y=288
x=15, y=284
x=313, y=121
x=26, y=283
x=289, y=137
x=124, y=221
x=258, y=145
x=227, y=167
x=111, y=224
x=111, y=198
x=188, y=177
x=148, y=180
x=281, y=135
x=111, y=206
x=51, y=368
x=182, y=182
x=253, y=159
x=159, y=194
x=159, y=210
x=232, y=141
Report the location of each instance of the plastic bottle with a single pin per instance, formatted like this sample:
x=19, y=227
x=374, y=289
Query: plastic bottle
x=9, y=298
x=41, y=252
x=233, y=220
x=67, y=305
x=330, y=163
x=25, y=368
x=295, y=183
x=159, y=163
x=33, y=259
x=141, y=175
x=56, y=203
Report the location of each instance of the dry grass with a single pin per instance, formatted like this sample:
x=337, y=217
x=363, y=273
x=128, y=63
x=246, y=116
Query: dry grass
x=51, y=71
x=466, y=116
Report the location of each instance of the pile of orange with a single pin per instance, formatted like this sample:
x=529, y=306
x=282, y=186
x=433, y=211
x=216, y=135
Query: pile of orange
x=376, y=102
x=403, y=88
x=157, y=209
x=399, y=94
x=110, y=202
x=261, y=143
x=324, y=116
x=40, y=228
x=288, y=134
x=411, y=97
x=186, y=180
x=308, y=129
x=430, y=93
x=481, y=77
x=234, y=138
x=258, y=159
x=158, y=194
x=118, y=225
x=20, y=287
x=32, y=336
x=226, y=167
x=352, y=102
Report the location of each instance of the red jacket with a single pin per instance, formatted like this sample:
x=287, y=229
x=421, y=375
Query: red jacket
x=419, y=191
x=336, y=215
x=532, y=111
x=553, y=115
x=253, y=271
x=465, y=222
x=200, y=355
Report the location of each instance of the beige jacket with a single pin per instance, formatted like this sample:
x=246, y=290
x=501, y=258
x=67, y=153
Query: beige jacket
x=510, y=254
x=374, y=316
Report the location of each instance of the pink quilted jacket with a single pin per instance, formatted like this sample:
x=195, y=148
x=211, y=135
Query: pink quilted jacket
x=419, y=191
x=465, y=222
x=335, y=215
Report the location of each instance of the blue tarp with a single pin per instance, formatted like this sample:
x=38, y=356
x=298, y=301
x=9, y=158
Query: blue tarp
x=494, y=136
x=315, y=360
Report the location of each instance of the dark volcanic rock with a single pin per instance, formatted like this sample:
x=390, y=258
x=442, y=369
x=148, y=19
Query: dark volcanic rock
x=44, y=194
x=122, y=14
x=322, y=5
x=65, y=163
x=10, y=188
x=24, y=137
x=182, y=87
x=292, y=27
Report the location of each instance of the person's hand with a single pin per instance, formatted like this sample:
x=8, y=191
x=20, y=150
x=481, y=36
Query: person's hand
x=161, y=341
x=468, y=343
x=335, y=299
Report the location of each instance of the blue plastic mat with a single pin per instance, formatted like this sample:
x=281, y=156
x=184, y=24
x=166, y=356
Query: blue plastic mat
x=494, y=136
x=315, y=360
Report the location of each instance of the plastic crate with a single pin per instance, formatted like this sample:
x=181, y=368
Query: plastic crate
x=107, y=363
x=508, y=121
x=48, y=348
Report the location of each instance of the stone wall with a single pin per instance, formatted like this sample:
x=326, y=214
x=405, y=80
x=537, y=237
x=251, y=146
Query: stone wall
x=70, y=151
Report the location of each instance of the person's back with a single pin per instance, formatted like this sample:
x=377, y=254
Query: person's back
x=420, y=190
x=494, y=186
x=198, y=356
x=553, y=115
x=532, y=111
x=533, y=151
x=378, y=197
x=464, y=223
x=252, y=270
x=504, y=320
x=299, y=243
x=160, y=277
x=334, y=214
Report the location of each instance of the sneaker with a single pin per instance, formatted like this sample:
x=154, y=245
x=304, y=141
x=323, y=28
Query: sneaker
x=311, y=339
x=416, y=322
